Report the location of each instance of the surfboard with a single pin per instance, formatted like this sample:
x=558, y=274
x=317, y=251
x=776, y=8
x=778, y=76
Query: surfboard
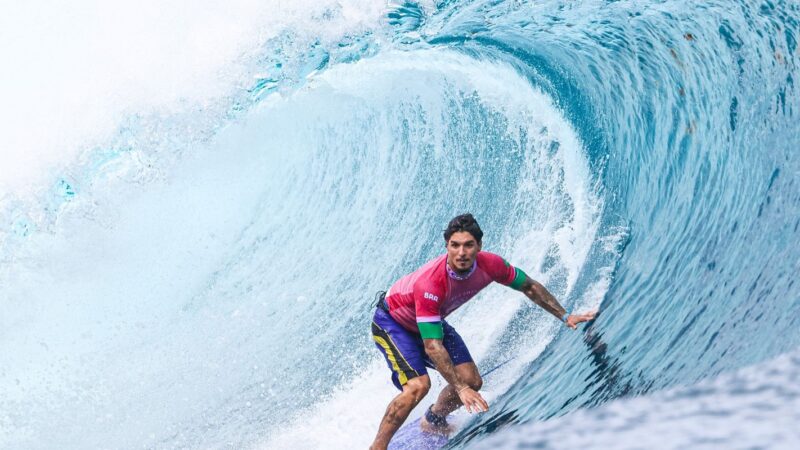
x=411, y=437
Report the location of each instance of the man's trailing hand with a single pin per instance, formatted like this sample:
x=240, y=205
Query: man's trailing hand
x=473, y=401
x=574, y=319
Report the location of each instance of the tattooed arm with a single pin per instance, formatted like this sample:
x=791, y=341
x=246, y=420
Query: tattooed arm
x=542, y=297
x=504, y=273
x=441, y=359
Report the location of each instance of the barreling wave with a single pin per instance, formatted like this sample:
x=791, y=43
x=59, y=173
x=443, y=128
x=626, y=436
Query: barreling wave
x=207, y=281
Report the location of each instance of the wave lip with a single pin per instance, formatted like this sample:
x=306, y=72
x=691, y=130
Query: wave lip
x=139, y=86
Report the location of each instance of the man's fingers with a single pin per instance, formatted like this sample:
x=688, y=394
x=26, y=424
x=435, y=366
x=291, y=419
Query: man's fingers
x=476, y=407
x=481, y=404
x=476, y=403
x=575, y=319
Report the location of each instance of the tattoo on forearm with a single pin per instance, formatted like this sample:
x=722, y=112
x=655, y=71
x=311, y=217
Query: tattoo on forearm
x=542, y=297
x=444, y=365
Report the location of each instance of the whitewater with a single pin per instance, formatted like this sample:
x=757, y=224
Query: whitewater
x=198, y=205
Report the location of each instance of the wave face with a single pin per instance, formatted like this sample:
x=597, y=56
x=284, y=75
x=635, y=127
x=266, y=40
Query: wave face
x=203, y=275
x=695, y=108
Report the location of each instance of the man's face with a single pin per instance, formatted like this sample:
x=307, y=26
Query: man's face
x=462, y=249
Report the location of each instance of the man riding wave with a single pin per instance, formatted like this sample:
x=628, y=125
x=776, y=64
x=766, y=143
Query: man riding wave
x=410, y=331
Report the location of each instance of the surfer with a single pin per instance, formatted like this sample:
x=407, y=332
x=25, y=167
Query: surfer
x=410, y=331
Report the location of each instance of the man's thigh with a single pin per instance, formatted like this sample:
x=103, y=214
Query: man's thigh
x=403, y=351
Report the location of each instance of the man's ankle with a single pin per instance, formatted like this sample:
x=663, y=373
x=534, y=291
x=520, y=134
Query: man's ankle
x=437, y=420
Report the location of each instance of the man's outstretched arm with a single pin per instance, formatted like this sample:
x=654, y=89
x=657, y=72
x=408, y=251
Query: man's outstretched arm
x=542, y=297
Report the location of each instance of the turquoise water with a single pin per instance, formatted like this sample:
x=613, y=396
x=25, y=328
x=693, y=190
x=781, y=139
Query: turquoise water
x=202, y=275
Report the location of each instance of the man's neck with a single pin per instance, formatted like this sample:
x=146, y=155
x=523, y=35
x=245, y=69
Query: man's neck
x=459, y=274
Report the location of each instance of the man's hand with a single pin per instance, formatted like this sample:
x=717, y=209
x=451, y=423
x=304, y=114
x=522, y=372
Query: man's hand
x=574, y=319
x=473, y=401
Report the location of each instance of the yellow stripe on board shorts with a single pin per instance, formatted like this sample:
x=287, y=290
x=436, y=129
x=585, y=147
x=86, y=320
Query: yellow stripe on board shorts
x=390, y=355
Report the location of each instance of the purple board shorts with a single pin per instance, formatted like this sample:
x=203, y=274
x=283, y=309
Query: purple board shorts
x=404, y=351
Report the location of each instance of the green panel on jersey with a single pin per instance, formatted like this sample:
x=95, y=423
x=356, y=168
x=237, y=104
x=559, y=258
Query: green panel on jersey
x=431, y=330
x=519, y=279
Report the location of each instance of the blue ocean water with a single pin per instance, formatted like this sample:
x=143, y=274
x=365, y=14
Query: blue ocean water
x=754, y=407
x=203, y=277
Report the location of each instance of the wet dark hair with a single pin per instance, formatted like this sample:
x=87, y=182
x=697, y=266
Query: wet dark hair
x=464, y=222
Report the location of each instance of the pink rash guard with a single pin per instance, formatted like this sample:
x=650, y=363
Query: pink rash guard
x=422, y=299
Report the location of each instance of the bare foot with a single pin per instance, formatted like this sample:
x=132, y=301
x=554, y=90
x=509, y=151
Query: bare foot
x=433, y=429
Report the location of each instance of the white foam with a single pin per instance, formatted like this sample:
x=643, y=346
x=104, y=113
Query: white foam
x=350, y=416
x=74, y=70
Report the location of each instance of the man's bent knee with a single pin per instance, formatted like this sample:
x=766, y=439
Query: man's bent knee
x=476, y=383
x=469, y=373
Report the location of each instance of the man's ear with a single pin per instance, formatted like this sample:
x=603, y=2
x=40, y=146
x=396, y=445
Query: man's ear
x=479, y=245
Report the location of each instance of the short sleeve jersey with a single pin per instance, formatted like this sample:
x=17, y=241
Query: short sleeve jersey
x=420, y=300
